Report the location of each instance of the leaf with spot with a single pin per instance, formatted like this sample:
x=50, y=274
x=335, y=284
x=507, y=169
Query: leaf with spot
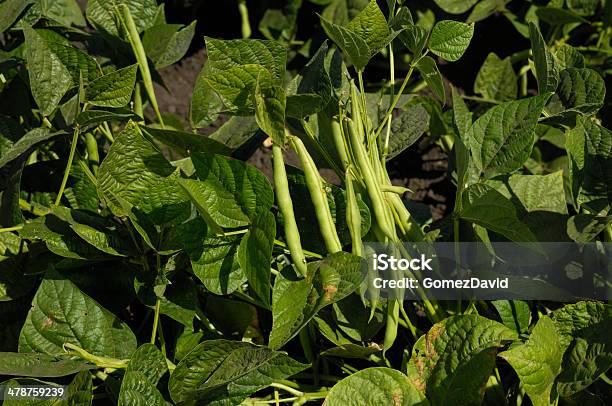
x=296, y=301
x=138, y=386
x=61, y=313
x=113, y=89
x=453, y=361
x=222, y=372
x=376, y=387
x=449, y=39
x=537, y=362
x=501, y=140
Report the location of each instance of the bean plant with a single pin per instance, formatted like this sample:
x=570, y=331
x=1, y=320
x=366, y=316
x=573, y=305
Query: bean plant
x=143, y=263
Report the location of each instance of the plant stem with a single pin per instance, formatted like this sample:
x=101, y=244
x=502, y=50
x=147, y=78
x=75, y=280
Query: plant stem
x=9, y=229
x=244, y=19
x=286, y=388
x=75, y=138
x=392, y=89
x=306, y=252
x=395, y=100
x=102, y=362
x=155, y=320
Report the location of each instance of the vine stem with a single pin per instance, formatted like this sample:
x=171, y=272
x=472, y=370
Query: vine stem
x=244, y=17
x=102, y=362
x=395, y=100
x=75, y=138
x=9, y=229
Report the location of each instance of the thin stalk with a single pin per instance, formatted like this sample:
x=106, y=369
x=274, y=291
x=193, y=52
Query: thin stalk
x=75, y=138
x=141, y=58
x=30, y=208
x=395, y=100
x=306, y=252
x=287, y=388
x=480, y=99
x=392, y=90
x=155, y=320
x=138, y=105
x=102, y=362
x=456, y=236
x=9, y=229
x=244, y=19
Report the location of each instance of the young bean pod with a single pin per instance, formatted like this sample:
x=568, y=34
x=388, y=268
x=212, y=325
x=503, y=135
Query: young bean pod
x=292, y=234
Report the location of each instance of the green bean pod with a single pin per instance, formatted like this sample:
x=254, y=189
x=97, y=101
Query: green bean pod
x=353, y=216
x=92, y=152
x=292, y=234
x=318, y=195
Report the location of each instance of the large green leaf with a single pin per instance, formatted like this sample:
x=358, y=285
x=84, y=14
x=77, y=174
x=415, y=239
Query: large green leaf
x=449, y=39
x=376, y=387
x=80, y=390
x=584, y=228
x=496, y=79
x=66, y=12
x=297, y=301
x=234, y=67
x=501, y=140
x=230, y=193
x=545, y=66
x=452, y=363
x=27, y=144
x=221, y=372
x=407, y=128
x=138, y=387
x=596, y=185
x=165, y=44
x=455, y=6
x=101, y=14
x=270, y=103
x=39, y=365
x=430, y=72
x=132, y=168
x=78, y=63
x=113, y=89
x=584, y=329
x=349, y=42
x=255, y=254
x=186, y=143
x=558, y=16
x=371, y=26
x=583, y=7
x=568, y=57
x=537, y=362
x=213, y=258
x=488, y=208
x=580, y=90
x=10, y=10
x=540, y=192
x=61, y=314
x=515, y=314
x=49, y=78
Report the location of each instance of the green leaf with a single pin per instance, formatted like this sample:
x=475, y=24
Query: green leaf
x=376, y=387
x=186, y=143
x=165, y=44
x=537, y=362
x=234, y=67
x=584, y=228
x=463, y=121
x=429, y=71
x=80, y=390
x=558, y=16
x=488, y=208
x=101, y=14
x=455, y=6
x=138, y=387
x=581, y=90
x=79, y=64
x=501, y=140
x=113, y=89
x=213, y=258
x=596, y=185
x=496, y=79
x=547, y=72
x=515, y=314
x=568, y=57
x=349, y=42
x=407, y=128
x=10, y=10
x=452, y=363
x=221, y=372
x=66, y=12
x=371, y=26
x=27, y=144
x=40, y=365
x=230, y=192
x=583, y=7
x=205, y=103
x=296, y=302
x=486, y=8
x=49, y=78
x=92, y=118
x=270, y=103
x=236, y=132
x=255, y=254
x=61, y=313
x=17, y=383
x=540, y=192
x=132, y=168
x=584, y=329
x=449, y=39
